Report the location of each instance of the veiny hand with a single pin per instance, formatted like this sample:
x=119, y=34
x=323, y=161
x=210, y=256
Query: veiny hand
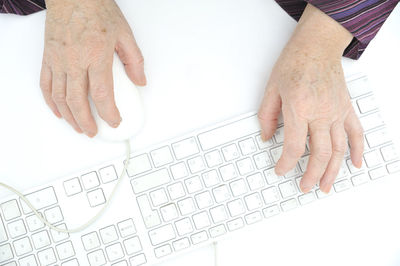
x=80, y=40
x=308, y=83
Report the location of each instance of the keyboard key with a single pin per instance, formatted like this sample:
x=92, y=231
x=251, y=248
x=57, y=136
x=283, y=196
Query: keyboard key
x=126, y=228
x=41, y=239
x=97, y=258
x=47, y=256
x=193, y=184
x=307, y=198
x=236, y=207
x=289, y=204
x=132, y=245
x=247, y=146
x=211, y=178
x=228, y=172
x=11, y=263
x=40, y=199
x=59, y=236
x=108, y=174
x=10, y=210
x=359, y=179
x=28, y=261
x=90, y=241
x=238, y=187
x=169, y=212
x=270, y=195
x=176, y=191
x=16, y=228
x=181, y=244
x=3, y=234
x=256, y=181
x=162, y=251
x=179, y=170
x=138, y=165
x=377, y=173
x=65, y=250
x=352, y=168
x=377, y=138
x=367, y=104
x=53, y=215
x=287, y=189
x=218, y=230
x=199, y=237
x=279, y=135
x=96, y=197
x=263, y=145
x=108, y=234
x=73, y=262
x=235, y=224
x=22, y=246
x=358, y=87
x=389, y=152
x=204, y=200
x=5, y=253
x=253, y=201
x=303, y=162
x=158, y=197
x=90, y=180
x=230, y=152
x=218, y=214
x=294, y=172
x=149, y=181
x=371, y=121
x=342, y=185
x=271, y=177
x=196, y=164
x=201, y=220
x=186, y=206
x=276, y=153
x=114, y=252
x=185, y=148
x=262, y=160
x=162, y=234
x=221, y=193
x=253, y=217
x=213, y=158
x=137, y=260
x=245, y=166
x=162, y=156
x=271, y=211
x=322, y=195
x=184, y=226
x=72, y=186
x=393, y=167
x=228, y=133
x=343, y=171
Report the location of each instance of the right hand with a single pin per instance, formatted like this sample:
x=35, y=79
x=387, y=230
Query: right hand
x=80, y=40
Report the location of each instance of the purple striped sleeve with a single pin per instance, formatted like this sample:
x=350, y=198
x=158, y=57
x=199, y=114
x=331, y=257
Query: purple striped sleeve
x=21, y=7
x=363, y=18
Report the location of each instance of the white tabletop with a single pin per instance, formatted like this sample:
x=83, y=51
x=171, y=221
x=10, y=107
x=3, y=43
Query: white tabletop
x=207, y=61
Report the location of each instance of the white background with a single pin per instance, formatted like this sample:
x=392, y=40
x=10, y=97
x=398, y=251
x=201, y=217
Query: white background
x=207, y=61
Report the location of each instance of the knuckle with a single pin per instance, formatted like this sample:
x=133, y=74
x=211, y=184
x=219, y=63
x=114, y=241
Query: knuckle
x=74, y=100
x=339, y=149
x=323, y=154
x=58, y=97
x=100, y=94
x=294, y=150
x=140, y=60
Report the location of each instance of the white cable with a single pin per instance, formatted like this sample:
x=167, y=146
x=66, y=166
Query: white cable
x=92, y=220
x=215, y=253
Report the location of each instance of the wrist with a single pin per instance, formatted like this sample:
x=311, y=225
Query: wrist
x=318, y=32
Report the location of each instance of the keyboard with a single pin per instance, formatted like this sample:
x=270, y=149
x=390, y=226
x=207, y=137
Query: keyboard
x=180, y=194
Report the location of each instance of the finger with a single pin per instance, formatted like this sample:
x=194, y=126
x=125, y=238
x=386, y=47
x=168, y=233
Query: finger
x=269, y=112
x=77, y=100
x=45, y=86
x=59, y=97
x=295, y=136
x=339, y=147
x=355, y=133
x=132, y=58
x=102, y=92
x=321, y=150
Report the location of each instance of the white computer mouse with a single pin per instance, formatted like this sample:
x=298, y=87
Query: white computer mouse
x=129, y=104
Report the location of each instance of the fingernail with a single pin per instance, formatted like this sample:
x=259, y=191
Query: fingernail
x=90, y=134
x=116, y=124
x=263, y=138
x=305, y=187
x=57, y=114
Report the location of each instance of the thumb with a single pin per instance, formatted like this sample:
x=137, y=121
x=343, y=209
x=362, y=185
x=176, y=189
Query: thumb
x=269, y=112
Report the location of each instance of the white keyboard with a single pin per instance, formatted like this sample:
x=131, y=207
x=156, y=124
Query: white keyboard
x=179, y=195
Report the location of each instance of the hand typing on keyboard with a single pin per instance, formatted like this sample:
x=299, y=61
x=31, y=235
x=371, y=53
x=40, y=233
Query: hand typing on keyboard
x=308, y=83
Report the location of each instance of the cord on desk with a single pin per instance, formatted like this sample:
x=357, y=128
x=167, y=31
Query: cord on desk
x=92, y=220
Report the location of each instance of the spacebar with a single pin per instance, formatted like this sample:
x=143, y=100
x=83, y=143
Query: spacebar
x=150, y=181
x=228, y=133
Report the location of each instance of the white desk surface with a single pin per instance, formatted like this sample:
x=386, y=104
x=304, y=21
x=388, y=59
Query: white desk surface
x=207, y=61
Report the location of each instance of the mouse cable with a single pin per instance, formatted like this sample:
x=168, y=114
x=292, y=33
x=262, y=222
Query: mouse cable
x=92, y=220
